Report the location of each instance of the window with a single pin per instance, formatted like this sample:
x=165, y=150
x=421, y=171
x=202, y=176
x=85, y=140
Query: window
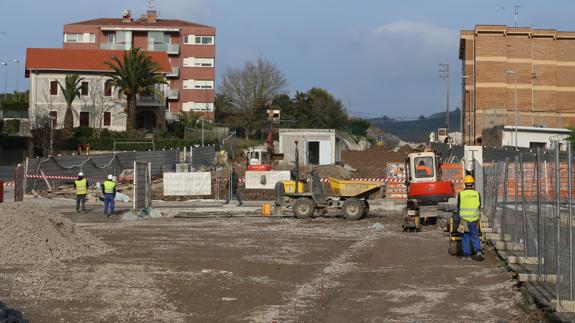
x=534, y=145
x=107, y=88
x=204, y=40
x=84, y=88
x=204, y=62
x=80, y=38
x=198, y=106
x=198, y=62
x=189, y=39
x=84, y=119
x=423, y=167
x=188, y=84
x=198, y=84
x=203, y=84
x=53, y=87
x=73, y=38
x=111, y=38
x=189, y=62
x=54, y=118
x=107, y=119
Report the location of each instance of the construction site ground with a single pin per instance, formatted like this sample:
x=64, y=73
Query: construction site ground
x=210, y=268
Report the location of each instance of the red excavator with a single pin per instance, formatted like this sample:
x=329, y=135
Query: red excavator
x=259, y=159
x=424, y=187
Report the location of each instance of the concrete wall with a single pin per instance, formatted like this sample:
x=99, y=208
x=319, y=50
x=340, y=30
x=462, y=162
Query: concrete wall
x=187, y=184
x=287, y=138
x=265, y=179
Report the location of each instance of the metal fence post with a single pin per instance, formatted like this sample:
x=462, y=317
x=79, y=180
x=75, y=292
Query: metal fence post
x=495, y=193
x=523, y=212
x=570, y=219
x=516, y=195
x=538, y=175
x=558, y=219
x=505, y=192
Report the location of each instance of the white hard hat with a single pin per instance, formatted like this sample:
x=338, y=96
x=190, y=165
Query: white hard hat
x=110, y=177
x=80, y=174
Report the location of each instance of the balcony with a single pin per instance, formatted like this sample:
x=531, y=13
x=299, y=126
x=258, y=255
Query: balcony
x=173, y=94
x=174, y=73
x=172, y=49
x=150, y=100
x=116, y=46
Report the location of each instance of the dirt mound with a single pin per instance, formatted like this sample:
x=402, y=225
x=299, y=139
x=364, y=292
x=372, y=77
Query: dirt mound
x=372, y=162
x=326, y=171
x=31, y=233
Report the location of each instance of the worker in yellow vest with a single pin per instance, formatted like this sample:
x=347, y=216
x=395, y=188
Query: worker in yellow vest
x=109, y=190
x=469, y=205
x=81, y=186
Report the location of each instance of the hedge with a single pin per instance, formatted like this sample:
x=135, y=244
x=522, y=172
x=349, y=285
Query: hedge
x=132, y=144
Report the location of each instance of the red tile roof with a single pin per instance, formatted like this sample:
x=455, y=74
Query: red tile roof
x=136, y=22
x=82, y=60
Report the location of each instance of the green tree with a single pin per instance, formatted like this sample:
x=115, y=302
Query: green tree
x=135, y=73
x=70, y=90
x=250, y=89
x=315, y=108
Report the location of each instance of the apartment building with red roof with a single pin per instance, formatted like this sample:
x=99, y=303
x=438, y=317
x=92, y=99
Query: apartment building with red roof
x=186, y=51
x=190, y=47
x=99, y=104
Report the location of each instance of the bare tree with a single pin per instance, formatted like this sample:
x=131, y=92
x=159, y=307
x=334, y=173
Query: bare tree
x=97, y=104
x=250, y=88
x=42, y=126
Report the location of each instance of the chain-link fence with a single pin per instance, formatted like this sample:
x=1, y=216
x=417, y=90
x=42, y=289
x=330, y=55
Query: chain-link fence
x=528, y=214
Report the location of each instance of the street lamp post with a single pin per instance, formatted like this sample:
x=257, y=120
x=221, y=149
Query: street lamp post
x=514, y=73
x=5, y=80
x=444, y=74
x=17, y=61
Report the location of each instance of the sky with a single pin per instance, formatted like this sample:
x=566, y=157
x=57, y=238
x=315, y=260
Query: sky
x=379, y=57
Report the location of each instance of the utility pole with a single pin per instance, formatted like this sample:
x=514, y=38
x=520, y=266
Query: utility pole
x=17, y=61
x=516, y=14
x=444, y=74
x=5, y=80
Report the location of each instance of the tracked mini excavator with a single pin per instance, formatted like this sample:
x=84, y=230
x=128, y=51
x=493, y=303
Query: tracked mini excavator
x=424, y=188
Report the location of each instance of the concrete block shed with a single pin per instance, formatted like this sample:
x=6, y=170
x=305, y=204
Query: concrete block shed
x=316, y=146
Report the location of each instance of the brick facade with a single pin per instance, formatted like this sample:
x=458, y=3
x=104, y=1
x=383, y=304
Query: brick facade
x=175, y=30
x=500, y=62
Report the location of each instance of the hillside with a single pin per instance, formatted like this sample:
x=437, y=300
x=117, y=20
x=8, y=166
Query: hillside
x=417, y=130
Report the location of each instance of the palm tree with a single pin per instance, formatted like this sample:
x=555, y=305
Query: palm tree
x=135, y=74
x=70, y=90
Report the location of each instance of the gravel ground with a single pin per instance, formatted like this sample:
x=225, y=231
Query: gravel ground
x=31, y=233
x=264, y=269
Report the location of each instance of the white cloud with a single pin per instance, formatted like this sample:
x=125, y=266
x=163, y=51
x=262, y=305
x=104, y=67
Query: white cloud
x=434, y=37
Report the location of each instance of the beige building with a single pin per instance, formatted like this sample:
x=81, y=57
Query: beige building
x=516, y=74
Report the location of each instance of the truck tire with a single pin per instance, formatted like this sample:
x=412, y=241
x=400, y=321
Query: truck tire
x=303, y=208
x=365, y=208
x=353, y=209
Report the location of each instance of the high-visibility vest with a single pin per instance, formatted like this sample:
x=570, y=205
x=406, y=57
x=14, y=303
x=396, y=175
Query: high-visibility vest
x=81, y=186
x=109, y=187
x=426, y=169
x=469, y=205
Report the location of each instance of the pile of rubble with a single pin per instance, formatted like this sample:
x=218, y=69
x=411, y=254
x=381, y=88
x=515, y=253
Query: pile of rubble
x=31, y=233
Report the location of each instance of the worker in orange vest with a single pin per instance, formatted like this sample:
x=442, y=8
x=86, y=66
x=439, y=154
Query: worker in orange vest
x=422, y=170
